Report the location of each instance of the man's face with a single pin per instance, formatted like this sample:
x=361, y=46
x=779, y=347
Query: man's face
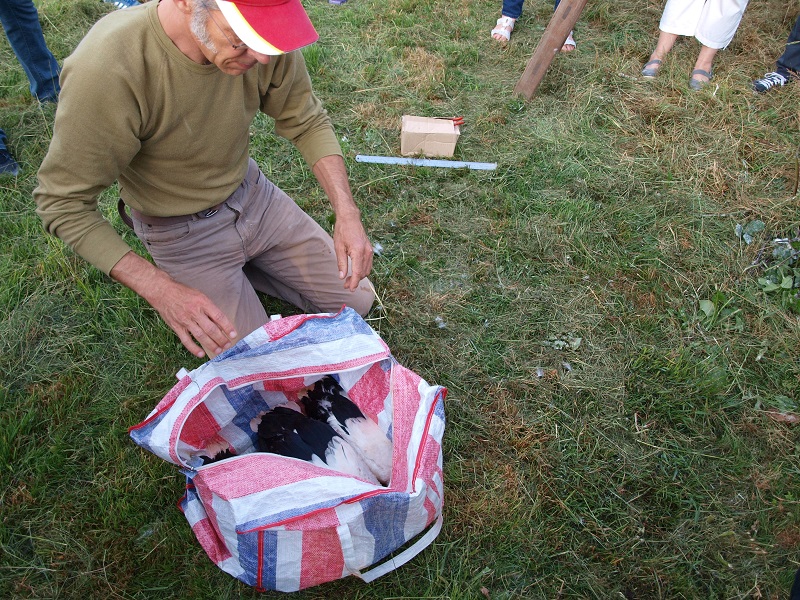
x=222, y=47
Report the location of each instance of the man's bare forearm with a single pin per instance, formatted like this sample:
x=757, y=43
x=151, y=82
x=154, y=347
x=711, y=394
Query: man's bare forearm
x=350, y=241
x=331, y=173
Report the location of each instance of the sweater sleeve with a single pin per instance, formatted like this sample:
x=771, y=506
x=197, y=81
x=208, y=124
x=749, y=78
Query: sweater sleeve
x=94, y=138
x=299, y=116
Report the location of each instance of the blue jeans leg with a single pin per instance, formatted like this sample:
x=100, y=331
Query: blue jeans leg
x=21, y=23
x=3, y=140
x=512, y=8
x=790, y=59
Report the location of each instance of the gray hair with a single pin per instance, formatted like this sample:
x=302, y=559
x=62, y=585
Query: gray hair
x=197, y=24
x=206, y=5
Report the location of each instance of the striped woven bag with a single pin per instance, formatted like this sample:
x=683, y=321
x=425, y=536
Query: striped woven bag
x=280, y=523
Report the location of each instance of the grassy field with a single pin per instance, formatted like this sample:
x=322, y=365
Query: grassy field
x=620, y=370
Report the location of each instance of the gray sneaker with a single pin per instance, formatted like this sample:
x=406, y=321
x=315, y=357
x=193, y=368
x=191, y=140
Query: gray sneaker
x=769, y=81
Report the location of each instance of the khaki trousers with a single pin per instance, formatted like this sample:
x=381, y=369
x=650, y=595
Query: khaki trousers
x=259, y=239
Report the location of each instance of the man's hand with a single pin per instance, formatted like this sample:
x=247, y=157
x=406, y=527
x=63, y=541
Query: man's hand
x=188, y=312
x=193, y=316
x=349, y=238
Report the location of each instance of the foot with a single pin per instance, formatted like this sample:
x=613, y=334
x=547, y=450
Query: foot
x=699, y=79
x=569, y=44
x=503, y=28
x=769, y=81
x=651, y=67
x=8, y=166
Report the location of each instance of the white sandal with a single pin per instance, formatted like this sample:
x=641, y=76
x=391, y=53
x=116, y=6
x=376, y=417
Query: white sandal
x=504, y=27
x=570, y=41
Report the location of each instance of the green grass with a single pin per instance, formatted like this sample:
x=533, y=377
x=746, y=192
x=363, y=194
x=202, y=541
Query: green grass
x=641, y=462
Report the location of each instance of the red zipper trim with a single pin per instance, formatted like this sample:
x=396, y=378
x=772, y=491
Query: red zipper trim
x=422, y=445
x=260, y=576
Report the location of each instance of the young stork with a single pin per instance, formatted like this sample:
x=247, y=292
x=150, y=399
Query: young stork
x=288, y=432
x=326, y=402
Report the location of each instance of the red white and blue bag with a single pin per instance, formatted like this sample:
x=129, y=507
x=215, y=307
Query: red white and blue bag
x=280, y=523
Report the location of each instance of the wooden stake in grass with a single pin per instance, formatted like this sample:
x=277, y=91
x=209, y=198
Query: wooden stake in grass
x=561, y=23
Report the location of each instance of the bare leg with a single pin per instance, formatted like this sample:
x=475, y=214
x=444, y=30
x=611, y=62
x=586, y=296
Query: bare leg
x=664, y=45
x=705, y=61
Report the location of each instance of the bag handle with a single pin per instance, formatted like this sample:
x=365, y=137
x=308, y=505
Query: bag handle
x=406, y=555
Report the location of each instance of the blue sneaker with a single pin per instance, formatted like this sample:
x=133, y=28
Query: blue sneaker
x=123, y=3
x=8, y=166
x=769, y=81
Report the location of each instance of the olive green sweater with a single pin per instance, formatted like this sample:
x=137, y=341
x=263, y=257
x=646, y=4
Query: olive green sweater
x=174, y=133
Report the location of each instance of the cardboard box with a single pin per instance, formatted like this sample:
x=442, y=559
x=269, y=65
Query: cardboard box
x=427, y=136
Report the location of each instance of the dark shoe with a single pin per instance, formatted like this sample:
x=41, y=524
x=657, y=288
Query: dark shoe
x=699, y=84
x=8, y=166
x=651, y=68
x=769, y=81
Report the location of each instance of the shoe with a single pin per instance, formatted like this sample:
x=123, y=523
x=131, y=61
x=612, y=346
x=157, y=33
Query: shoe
x=699, y=84
x=503, y=28
x=8, y=166
x=569, y=44
x=769, y=81
x=651, y=69
x=122, y=3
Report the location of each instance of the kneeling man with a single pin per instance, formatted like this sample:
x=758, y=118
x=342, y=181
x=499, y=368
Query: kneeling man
x=160, y=98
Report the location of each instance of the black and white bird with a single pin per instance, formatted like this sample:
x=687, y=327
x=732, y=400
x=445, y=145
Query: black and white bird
x=327, y=402
x=210, y=455
x=288, y=432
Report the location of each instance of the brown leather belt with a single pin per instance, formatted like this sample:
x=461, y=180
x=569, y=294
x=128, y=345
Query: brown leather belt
x=152, y=220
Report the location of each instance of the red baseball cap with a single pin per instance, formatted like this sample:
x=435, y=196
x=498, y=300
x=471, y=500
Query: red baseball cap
x=269, y=26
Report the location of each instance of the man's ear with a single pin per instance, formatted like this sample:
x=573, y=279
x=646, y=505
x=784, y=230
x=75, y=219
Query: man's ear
x=185, y=6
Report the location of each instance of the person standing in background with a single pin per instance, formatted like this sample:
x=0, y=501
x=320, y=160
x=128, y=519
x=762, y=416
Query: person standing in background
x=21, y=23
x=712, y=22
x=512, y=10
x=787, y=66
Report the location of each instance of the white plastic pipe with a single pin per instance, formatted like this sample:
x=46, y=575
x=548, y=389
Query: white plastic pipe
x=425, y=162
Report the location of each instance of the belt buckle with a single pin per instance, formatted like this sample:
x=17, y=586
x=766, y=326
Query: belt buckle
x=210, y=213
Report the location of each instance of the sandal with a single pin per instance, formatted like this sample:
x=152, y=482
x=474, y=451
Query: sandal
x=569, y=44
x=504, y=27
x=699, y=84
x=651, y=68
